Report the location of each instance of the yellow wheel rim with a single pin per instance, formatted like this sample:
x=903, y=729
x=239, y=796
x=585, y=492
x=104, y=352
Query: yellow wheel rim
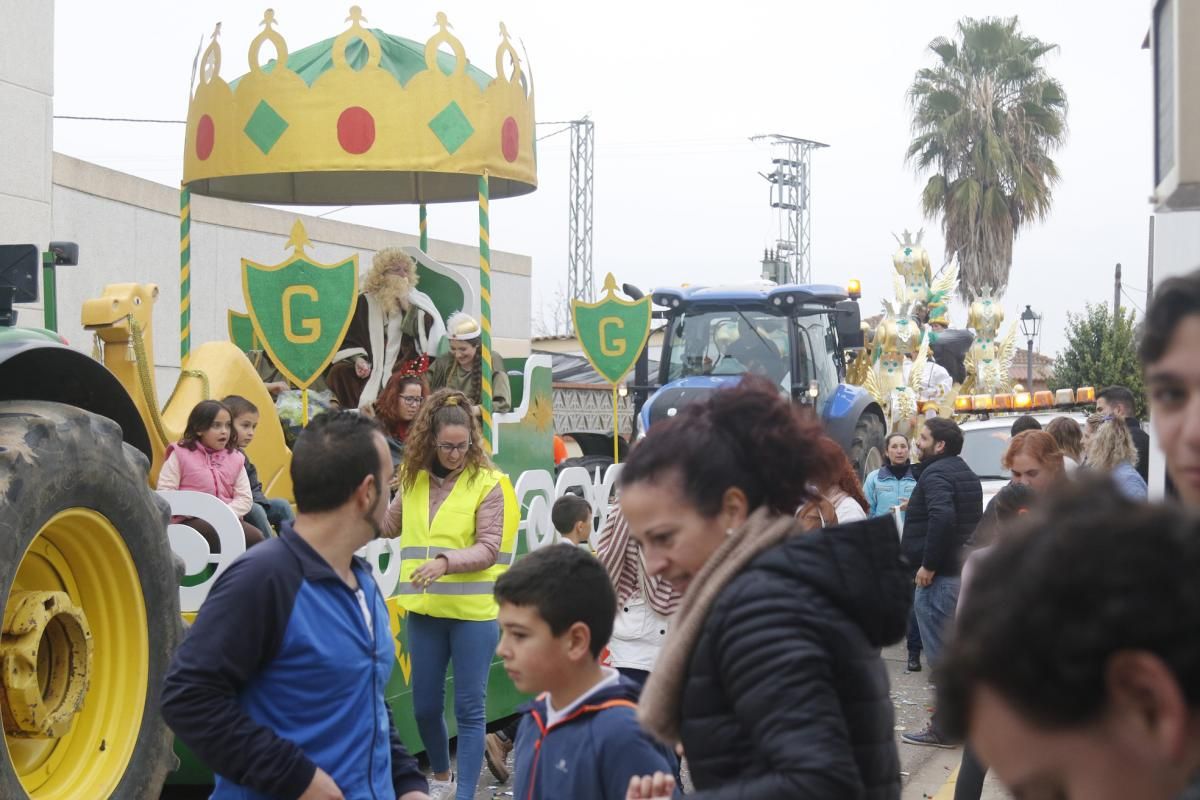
x=80, y=553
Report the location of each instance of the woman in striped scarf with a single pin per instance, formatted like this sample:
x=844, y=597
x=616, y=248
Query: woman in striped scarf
x=645, y=603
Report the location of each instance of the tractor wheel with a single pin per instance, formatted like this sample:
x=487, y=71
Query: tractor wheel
x=91, y=609
x=869, y=444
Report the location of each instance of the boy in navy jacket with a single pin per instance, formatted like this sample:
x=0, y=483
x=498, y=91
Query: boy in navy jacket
x=580, y=737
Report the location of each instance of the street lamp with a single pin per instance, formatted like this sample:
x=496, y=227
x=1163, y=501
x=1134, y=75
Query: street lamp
x=1031, y=322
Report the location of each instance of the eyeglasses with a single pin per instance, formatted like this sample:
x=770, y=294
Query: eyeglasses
x=448, y=448
x=412, y=401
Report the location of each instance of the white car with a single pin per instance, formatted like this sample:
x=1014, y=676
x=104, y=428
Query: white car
x=985, y=440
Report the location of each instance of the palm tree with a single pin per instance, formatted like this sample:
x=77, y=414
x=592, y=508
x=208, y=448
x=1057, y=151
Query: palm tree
x=984, y=120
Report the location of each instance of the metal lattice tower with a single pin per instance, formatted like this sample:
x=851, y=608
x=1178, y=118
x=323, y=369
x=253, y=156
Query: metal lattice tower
x=790, y=196
x=580, y=284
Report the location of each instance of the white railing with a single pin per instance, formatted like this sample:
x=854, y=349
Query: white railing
x=536, y=491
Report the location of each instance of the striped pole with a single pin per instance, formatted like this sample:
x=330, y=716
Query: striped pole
x=424, y=230
x=485, y=316
x=185, y=274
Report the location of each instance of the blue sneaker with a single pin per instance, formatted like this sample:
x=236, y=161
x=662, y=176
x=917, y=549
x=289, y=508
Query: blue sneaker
x=930, y=737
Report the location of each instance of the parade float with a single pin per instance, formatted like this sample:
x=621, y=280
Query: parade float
x=94, y=590
x=915, y=365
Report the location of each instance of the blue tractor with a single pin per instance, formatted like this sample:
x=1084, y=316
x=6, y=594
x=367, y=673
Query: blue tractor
x=797, y=335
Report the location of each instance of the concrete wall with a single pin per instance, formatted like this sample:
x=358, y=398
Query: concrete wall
x=128, y=231
x=1176, y=252
x=26, y=123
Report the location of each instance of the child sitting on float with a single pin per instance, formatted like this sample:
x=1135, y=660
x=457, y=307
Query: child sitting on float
x=206, y=459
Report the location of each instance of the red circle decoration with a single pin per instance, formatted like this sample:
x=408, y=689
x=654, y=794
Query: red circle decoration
x=510, y=139
x=356, y=130
x=206, y=137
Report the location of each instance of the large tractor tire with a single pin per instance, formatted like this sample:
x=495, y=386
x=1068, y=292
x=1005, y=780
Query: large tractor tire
x=91, y=609
x=868, y=449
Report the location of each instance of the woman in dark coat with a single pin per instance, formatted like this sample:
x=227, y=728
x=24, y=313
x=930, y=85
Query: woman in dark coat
x=771, y=676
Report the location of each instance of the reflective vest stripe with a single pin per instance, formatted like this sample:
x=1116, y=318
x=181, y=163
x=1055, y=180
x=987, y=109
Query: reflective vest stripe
x=443, y=587
x=426, y=553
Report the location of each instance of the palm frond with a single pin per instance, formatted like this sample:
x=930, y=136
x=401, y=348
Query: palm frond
x=985, y=118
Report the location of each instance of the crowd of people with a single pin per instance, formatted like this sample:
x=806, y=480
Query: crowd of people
x=732, y=613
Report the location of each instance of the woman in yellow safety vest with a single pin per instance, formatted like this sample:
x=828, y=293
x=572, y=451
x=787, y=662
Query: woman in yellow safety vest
x=457, y=518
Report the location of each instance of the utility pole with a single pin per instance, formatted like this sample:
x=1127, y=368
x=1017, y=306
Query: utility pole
x=579, y=232
x=1117, y=292
x=1150, y=263
x=790, y=195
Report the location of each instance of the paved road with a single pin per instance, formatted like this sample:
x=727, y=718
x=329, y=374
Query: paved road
x=928, y=771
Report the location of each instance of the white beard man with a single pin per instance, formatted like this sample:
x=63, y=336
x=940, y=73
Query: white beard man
x=394, y=325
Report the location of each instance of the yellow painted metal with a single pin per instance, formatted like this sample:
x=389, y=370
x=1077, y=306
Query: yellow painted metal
x=121, y=317
x=46, y=658
x=80, y=554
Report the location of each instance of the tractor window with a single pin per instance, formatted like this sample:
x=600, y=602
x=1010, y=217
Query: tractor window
x=821, y=359
x=729, y=343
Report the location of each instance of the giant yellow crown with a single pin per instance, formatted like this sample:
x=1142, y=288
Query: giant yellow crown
x=365, y=117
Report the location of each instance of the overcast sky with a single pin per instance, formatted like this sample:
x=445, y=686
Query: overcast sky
x=675, y=92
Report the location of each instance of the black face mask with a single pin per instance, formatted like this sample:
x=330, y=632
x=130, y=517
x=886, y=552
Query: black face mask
x=899, y=470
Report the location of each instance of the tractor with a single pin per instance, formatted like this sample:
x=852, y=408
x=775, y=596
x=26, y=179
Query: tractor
x=90, y=587
x=797, y=335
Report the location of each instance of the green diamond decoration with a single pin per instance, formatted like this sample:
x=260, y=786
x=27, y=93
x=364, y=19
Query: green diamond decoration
x=451, y=127
x=265, y=126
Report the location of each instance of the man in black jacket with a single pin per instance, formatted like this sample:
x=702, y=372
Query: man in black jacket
x=942, y=513
x=1118, y=401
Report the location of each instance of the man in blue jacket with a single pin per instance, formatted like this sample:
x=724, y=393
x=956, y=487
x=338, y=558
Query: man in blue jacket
x=580, y=738
x=279, y=685
x=942, y=514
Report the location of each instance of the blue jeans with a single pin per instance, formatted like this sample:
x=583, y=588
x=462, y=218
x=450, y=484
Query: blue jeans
x=934, y=606
x=469, y=646
x=265, y=519
x=913, y=632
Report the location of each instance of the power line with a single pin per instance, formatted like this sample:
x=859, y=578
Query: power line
x=1132, y=301
x=118, y=119
x=555, y=133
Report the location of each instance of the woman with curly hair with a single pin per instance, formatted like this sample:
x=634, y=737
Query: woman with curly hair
x=397, y=409
x=839, y=486
x=770, y=675
x=1108, y=448
x=461, y=368
x=457, y=518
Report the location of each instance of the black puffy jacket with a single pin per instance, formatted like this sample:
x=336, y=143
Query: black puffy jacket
x=786, y=694
x=941, y=516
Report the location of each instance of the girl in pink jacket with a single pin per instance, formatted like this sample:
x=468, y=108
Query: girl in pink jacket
x=207, y=459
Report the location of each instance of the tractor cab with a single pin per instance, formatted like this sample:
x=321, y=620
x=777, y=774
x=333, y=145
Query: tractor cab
x=794, y=335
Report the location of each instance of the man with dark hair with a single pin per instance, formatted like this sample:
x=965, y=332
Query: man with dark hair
x=1075, y=669
x=580, y=738
x=1170, y=352
x=278, y=687
x=942, y=513
x=1025, y=422
x=1117, y=401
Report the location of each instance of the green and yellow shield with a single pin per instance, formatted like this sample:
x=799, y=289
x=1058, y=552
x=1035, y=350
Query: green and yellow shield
x=612, y=331
x=300, y=309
